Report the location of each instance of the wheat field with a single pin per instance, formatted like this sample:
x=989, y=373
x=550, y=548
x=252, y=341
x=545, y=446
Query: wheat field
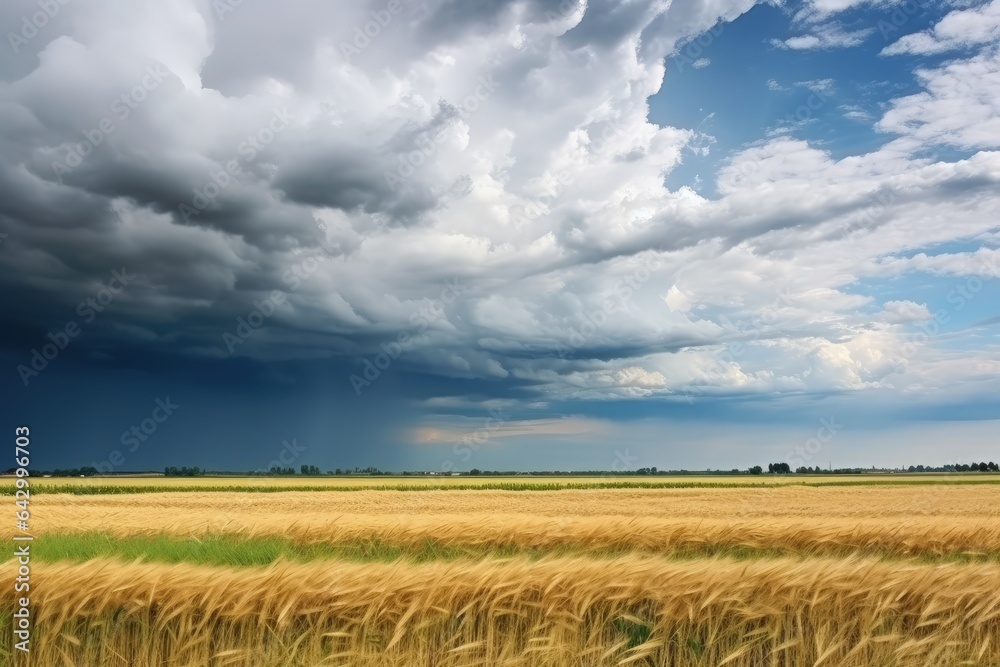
x=838, y=575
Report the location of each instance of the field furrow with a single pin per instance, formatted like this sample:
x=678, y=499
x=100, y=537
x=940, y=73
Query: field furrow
x=933, y=537
x=859, y=501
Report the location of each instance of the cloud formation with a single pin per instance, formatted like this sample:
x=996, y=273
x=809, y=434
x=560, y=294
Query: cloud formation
x=959, y=29
x=824, y=36
x=360, y=162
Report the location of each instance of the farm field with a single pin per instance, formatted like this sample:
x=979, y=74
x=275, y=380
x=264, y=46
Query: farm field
x=789, y=574
x=267, y=484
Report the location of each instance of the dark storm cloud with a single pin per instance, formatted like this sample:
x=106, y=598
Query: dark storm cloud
x=353, y=179
x=354, y=167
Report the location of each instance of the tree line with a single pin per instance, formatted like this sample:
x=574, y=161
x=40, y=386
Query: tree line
x=783, y=469
x=780, y=468
x=958, y=467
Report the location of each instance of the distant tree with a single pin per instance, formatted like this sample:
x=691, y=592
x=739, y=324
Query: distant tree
x=756, y=470
x=475, y=471
x=184, y=471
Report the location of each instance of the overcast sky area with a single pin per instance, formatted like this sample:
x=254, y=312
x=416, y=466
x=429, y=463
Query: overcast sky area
x=525, y=235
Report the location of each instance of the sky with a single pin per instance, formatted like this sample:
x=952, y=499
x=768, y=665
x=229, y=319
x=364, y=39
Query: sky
x=506, y=235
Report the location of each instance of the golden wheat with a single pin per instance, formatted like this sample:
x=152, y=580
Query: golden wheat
x=560, y=611
x=895, y=521
x=904, y=502
x=635, y=608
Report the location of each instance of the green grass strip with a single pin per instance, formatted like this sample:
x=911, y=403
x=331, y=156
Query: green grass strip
x=240, y=551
